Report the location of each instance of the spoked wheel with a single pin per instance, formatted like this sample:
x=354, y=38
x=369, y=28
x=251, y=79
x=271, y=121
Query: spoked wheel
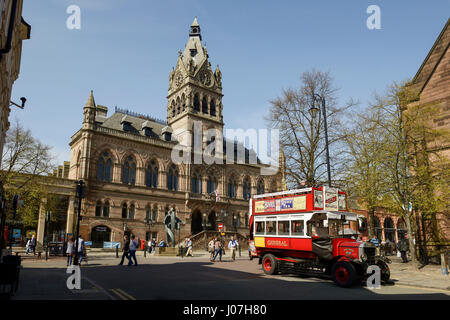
x=343, y=274
x=269, y=264
x=385, y=272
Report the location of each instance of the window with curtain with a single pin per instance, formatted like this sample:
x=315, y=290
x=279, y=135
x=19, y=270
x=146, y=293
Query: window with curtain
x=129, y=171
x=155, y=213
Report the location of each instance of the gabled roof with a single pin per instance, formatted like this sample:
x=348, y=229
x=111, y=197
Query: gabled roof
x=434, y=57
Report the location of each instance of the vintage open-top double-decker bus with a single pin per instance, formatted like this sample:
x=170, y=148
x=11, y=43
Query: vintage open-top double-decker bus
x=310, y=231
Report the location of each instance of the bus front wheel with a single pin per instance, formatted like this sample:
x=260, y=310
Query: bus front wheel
x=269, y=264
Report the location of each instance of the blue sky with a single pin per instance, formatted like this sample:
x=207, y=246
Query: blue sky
x=125, y=50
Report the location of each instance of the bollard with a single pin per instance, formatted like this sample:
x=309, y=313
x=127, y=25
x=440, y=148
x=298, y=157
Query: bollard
x=117, y=251
x=46, y=253
x=145, y=252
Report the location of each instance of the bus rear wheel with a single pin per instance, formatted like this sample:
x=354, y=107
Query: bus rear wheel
x=344, y=274
x=269, y=264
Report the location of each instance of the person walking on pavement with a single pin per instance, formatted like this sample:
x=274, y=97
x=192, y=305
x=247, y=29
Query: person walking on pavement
x=233, y=245
x=80, y=249
x=403, y=246
x=133, y=246
x=69, y=251
x=188, y=247
x=149, y=244
x=33, y=244
x=211, y=249
x=218, y=249
x=28, y=247
x=126, y=250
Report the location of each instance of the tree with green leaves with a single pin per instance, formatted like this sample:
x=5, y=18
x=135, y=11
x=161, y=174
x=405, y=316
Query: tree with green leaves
x=24, y=163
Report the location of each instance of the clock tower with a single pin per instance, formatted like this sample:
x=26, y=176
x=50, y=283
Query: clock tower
x=195, y=90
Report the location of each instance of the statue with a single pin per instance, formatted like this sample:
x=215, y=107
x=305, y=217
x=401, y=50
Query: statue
x=191, y=66
x=218, y=75
x=172, y=72
x=172, y=223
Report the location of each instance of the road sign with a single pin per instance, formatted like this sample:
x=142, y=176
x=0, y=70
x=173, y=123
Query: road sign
x=220, y=226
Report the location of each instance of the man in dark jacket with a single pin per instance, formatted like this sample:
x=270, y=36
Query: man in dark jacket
x=126, y=250
x=403, y=246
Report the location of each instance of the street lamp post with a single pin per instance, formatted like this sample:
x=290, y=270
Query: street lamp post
x=148, y=221
x=79, y=194
x=313, y=111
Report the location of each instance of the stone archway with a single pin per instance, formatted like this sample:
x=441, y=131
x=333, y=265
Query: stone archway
x=389, y=229
x=100, y=234
x=212, y=221
x=196, y=222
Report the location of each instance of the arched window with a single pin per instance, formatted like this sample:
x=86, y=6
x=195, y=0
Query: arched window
x=106, y=209
x=260, y=187
x=213, y=108
x=246, y=189
x=172, y=178
x=196, y=182
x=129, y=171
x=212, y=184
x=204, y=105
x=155, y=213
x=148, y=213
x=196, y=102
x=232, y=188
x=178, y=106
x=104, y=167
x=124, y=211
x=151, y=175
x=131, y=212
x=98, y=209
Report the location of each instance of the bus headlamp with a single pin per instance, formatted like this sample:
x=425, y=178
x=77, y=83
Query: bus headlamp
x=363, y=257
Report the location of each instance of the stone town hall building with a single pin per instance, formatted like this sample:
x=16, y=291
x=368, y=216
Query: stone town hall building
x=125, y=160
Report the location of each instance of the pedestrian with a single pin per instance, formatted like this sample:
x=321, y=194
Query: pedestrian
x=69, y=251
x=162, y=243
x=153, y=245
x=376, y=242
x=80, y=249
x=218, y=247
x=126, y=250
x=28, y=247
x=133, y=246
x=33, y=244
x=150, y=247
x=387, y=247
x=211, y=249
x=189, y=247
x=360, y=239
x=233, y=245
x=403, y=246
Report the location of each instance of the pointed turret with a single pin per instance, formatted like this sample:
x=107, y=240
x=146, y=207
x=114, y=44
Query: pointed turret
x=89, y=111
x=91, y=101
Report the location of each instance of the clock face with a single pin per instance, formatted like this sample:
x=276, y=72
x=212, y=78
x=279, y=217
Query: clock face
x=179, y=79
x=205, y=78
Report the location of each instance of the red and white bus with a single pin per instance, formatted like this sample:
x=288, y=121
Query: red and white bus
x=310, y=231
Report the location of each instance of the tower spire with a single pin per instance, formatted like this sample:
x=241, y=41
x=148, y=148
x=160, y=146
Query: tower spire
x=195, y=29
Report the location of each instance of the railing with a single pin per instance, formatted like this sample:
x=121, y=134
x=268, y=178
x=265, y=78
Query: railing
x=200, y=240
